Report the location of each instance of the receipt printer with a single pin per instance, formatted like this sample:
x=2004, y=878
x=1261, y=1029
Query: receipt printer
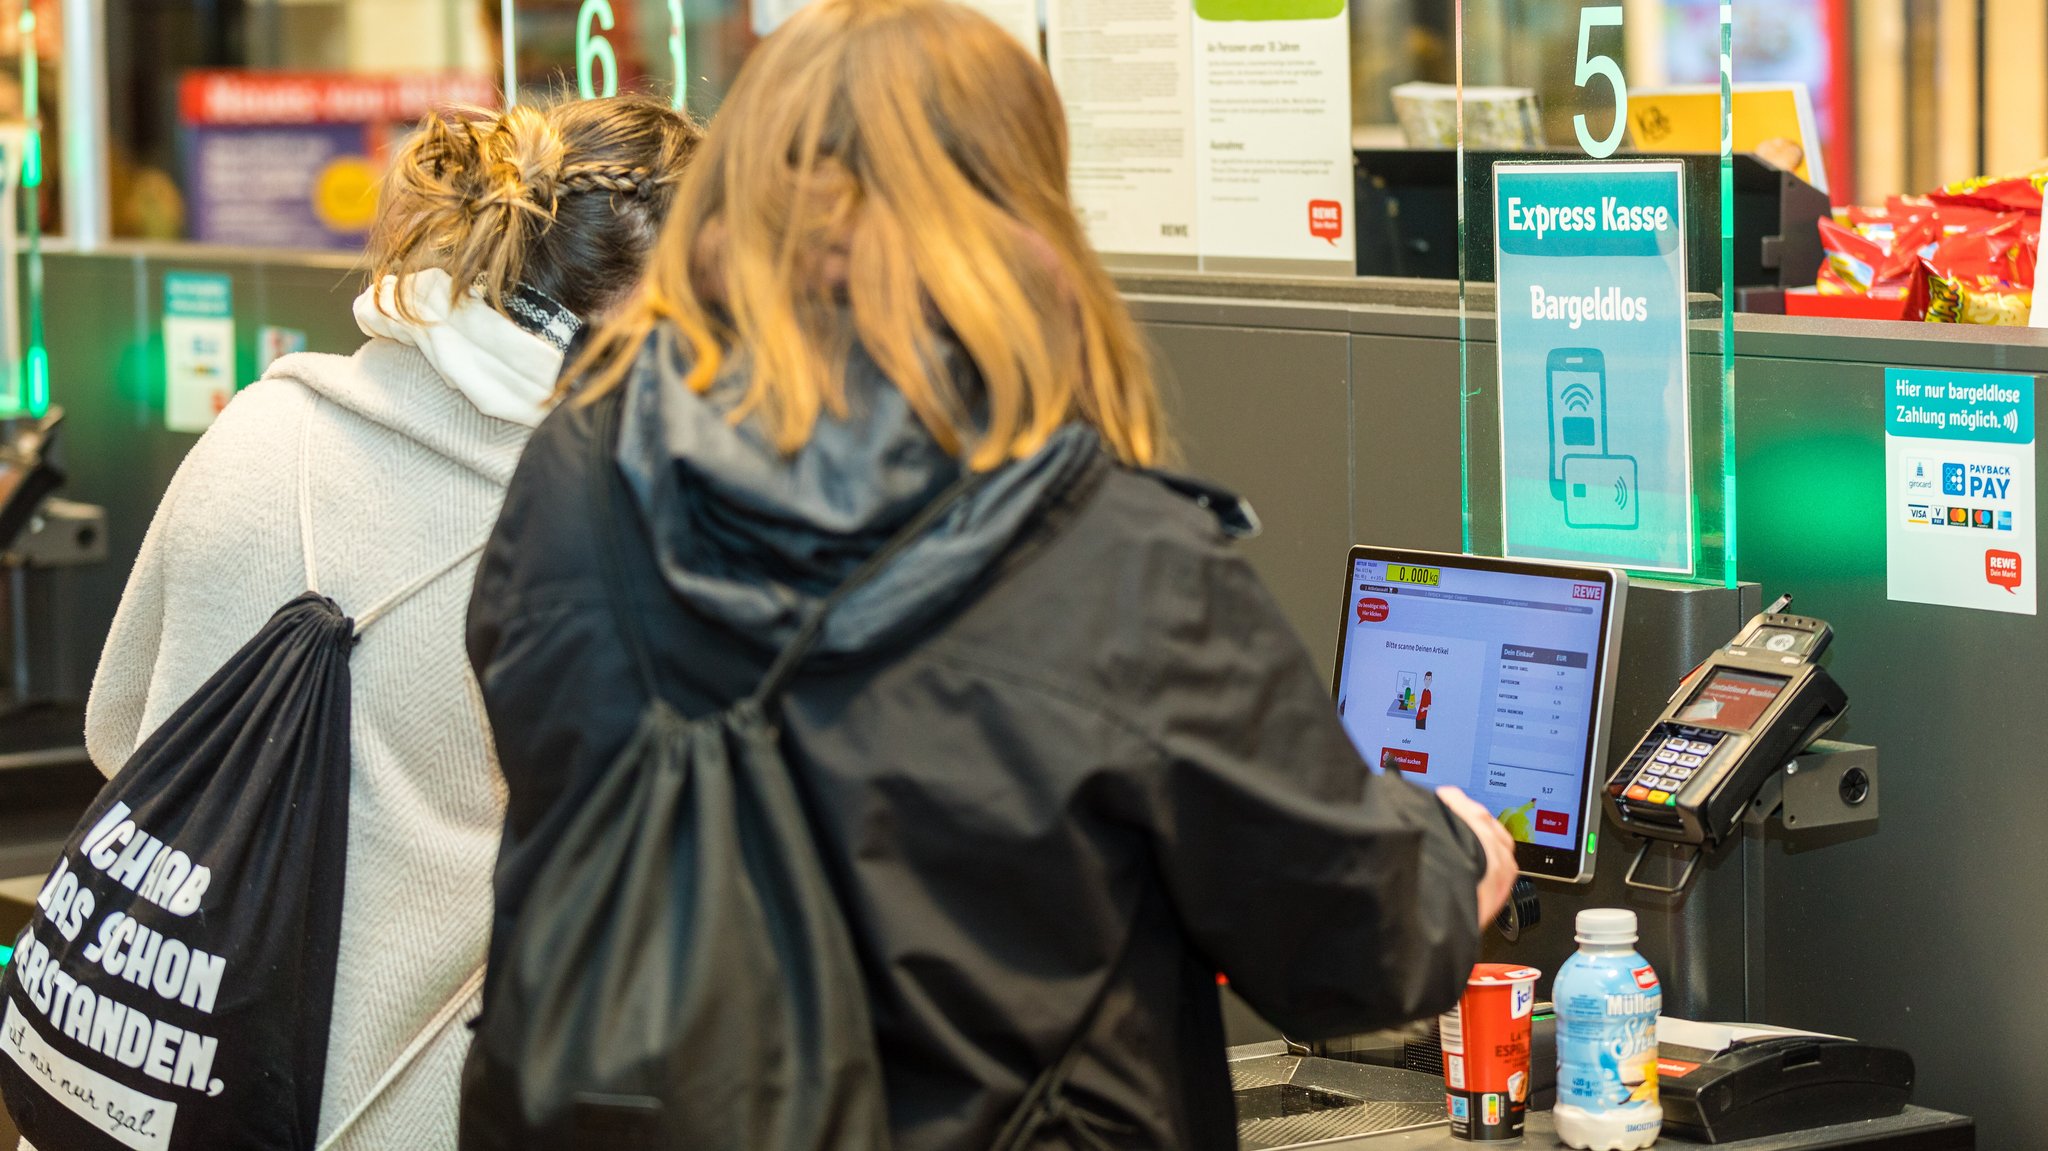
x=1721, y=1083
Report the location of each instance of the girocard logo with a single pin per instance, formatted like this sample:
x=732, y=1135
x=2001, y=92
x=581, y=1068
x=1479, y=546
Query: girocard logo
x=1587, y=591
x=1372, y=609
x=2002, y=568
x=1919, y=475
x=1646, y=978
x=1326, y=220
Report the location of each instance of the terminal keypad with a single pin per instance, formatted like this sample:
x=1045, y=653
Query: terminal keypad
x=1664, y=764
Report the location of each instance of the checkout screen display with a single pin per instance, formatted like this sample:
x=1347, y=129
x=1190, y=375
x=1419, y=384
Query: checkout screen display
x=1484, y=680
x=1732, y=700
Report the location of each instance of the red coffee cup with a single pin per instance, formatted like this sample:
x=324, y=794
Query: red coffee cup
x=1486, y=1053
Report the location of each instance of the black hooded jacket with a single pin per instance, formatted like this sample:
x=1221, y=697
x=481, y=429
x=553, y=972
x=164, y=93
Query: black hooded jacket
x=1078, y=749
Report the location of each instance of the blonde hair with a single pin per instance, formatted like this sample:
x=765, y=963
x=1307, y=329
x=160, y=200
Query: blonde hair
x=565, y=198
x=904, y=162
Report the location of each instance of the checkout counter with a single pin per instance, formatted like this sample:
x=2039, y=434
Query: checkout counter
x=1288, y=1100
x=1333, y=407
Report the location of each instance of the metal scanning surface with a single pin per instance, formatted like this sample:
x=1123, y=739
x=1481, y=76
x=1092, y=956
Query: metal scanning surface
x=1242, y=1080
x=1340, y=1123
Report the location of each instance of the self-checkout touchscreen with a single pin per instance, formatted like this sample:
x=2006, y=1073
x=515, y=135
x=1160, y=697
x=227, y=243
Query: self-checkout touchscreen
x=1491, y=675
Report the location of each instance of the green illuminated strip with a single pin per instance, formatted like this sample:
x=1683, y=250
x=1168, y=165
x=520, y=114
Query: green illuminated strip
x=1728, y=576
x=33, y=384
x=1464, y=342
x=509, y=20
x=678, y=54
x=6, y=954
x=31, y=87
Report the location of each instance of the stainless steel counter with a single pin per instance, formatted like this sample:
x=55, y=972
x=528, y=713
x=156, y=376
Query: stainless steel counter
x=1397, y=1102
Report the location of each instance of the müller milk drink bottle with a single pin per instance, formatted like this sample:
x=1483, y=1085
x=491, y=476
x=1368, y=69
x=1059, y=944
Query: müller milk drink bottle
x=1607, y=1000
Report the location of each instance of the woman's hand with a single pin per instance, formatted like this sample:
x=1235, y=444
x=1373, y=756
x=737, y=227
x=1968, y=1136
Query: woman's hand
x=1499, y=879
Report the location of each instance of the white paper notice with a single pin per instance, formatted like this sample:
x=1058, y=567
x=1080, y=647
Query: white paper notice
x=199, y=349
x=1273, y=115
x=1959, y=489
x=1018, y=17
x=1125, y=71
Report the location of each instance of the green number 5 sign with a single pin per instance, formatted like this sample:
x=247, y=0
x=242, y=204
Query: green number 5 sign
x=1602, y=67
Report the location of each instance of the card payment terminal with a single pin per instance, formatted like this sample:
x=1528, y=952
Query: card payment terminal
x=1739, y=718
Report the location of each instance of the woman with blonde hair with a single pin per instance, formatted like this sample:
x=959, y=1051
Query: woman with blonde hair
x=499, y=237
x=1064, y=759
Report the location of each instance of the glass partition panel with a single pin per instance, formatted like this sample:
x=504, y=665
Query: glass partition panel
x=1595, y=244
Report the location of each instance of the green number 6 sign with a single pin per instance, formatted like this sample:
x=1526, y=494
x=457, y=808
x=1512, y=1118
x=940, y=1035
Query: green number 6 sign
x=593, y=50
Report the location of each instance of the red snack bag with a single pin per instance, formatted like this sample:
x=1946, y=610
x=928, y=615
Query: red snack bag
x=1912, y=225
x=1980, y=257
x=1998, y=193
x=2025, y=257
x=1950, y=301
x=1855, y=260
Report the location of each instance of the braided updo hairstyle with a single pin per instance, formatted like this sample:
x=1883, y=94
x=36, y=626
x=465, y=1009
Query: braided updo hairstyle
x=565, y=198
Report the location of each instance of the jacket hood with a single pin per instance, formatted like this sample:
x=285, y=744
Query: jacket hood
x=503, y=369
x=463, y=382
x=758, y=540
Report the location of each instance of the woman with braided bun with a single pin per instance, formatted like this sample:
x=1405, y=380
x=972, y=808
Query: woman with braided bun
x=500, y=237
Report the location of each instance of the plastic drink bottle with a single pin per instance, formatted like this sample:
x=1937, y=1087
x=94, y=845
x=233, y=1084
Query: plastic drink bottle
x=1607, y=1000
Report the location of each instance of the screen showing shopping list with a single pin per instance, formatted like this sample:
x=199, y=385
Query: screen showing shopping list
x=1480, y=679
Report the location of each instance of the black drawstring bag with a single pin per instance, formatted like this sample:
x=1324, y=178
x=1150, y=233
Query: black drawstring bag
x=681, y=975
x=173, y=989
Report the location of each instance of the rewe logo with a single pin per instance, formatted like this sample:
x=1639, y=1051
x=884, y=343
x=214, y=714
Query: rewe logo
x=1326, y=220
x=1586, y=591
